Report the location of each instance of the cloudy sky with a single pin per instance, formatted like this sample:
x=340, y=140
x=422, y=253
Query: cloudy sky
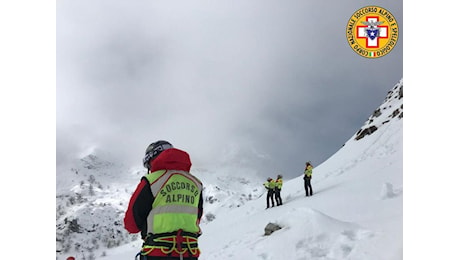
x=268, y=84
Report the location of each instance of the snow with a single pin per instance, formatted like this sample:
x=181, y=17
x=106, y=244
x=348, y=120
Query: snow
x=356, y=211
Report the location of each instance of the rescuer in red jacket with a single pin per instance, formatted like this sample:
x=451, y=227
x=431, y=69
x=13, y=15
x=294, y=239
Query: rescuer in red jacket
x=167, y=205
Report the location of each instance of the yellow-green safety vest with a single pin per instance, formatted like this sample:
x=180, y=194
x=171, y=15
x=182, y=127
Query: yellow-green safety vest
x=270, y=184
x=279, y=183
x=175, y=206
x=309, y=171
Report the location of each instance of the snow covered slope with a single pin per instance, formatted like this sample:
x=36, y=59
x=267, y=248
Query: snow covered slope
x=356, y=211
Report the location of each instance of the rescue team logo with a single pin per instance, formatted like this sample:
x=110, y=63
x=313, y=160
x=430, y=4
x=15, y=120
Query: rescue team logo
x=372, y=32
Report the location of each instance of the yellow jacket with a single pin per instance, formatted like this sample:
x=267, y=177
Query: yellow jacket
x=279, y=183
x=270, y=185
x=308, y=171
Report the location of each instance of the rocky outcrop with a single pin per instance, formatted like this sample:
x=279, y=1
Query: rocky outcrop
x=391, y=109
x=270, y=228
x=363, y=132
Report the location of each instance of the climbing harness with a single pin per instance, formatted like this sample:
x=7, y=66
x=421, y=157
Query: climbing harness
x=179, y=242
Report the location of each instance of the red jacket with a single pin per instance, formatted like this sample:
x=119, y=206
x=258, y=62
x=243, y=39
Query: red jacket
x=142, y=199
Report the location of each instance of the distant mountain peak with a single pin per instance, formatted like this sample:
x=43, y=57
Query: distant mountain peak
x=92, y=161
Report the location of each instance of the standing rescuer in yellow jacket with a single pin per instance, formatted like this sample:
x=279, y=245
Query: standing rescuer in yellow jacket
x=270, y=186
x=278, y=186
x=308, y=172
x=167, y=205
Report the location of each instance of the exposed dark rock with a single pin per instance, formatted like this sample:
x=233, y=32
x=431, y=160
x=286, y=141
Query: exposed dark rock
x=270, y=228
x=210, y=217
x=377, y=113
x=395, y=113
x=74, y=226
x=363, y=132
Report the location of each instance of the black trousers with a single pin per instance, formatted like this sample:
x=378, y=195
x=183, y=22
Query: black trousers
x=278, y=197
x=270, y=196
x=307, y=184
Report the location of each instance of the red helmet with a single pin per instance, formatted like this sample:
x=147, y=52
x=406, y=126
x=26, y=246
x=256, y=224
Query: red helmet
x=70, y=258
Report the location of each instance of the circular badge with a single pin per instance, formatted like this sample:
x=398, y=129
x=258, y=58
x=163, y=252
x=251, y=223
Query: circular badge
x=372, y=32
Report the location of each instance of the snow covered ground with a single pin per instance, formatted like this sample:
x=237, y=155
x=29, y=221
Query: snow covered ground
x=356, y=211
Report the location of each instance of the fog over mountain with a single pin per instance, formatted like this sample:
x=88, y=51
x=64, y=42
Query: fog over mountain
x=272, y=83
